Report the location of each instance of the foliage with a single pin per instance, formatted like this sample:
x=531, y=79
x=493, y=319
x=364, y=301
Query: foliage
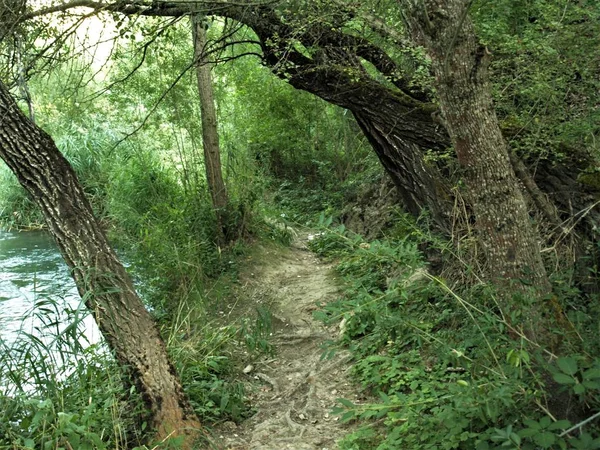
x=446, y=368
x=59, y=391
x=17, y=210
x=543, y=73
x=443, y=361
x=206, y=374
x=256, y=335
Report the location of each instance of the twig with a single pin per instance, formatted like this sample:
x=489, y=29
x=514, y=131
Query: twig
x=580, y=424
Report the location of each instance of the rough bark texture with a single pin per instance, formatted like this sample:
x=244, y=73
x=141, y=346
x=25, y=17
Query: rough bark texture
x=396, y=118
x=459, y=64
x=210, y=134
x=397, y=121
x=101, y=279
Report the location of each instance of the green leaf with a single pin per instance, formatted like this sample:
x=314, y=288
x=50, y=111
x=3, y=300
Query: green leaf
x=568, y=365
x=384, y=397
x=545, y=422
x=532, y=424
x=591, y=374
x=224, y=401
x=336, y=410
x=578, y=389
x=347, y=417
x=515, y=438
x=346, y=403
x=528, y=432
x=560, y=425
x=591, y=384
x=545, y=439
x=562, y=378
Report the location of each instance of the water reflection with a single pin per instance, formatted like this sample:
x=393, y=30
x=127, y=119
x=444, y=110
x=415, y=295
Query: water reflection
x=36, y=290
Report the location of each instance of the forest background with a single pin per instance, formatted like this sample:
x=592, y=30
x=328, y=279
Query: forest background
x=455, y=362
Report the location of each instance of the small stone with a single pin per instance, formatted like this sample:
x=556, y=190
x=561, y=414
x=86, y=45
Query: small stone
x=230, y=425
x=302, y=416
x=249, y=368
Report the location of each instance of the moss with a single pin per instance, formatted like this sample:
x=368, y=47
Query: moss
x=591, y=179
x=511, y=126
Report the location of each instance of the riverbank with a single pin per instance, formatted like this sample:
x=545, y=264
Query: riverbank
x=34, y=279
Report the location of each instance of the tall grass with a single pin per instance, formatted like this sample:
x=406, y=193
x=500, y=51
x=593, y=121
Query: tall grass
x=59, y=391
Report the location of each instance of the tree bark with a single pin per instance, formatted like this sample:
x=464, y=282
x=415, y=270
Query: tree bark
x=398, y=120
x=102, y=281
x=459, y=64
x=210, y=133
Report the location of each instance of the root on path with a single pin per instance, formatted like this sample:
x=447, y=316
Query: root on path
x=295, y=391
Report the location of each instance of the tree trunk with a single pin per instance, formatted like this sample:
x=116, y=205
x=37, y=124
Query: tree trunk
x=210, y=134
x=400, y=129
x=100, y=278
x=397, y=119
x=420, y=185
x=459, y=64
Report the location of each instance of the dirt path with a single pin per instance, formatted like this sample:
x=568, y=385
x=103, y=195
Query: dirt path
x=295, y=390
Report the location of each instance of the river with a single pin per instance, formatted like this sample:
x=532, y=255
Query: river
x=37, y=294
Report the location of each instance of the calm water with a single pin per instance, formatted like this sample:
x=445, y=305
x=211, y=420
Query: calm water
x=36, y=291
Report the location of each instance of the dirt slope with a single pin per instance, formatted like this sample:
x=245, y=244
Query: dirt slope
x=295, y=390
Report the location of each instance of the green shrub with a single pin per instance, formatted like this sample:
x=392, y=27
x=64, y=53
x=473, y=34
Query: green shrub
x=447, y=367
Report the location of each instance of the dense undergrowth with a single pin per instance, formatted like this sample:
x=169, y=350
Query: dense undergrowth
x=446, y=363
x=150, y=195
x=443, y=358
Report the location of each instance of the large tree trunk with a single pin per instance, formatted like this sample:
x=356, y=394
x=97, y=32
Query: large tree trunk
x=210, y=134
x=397, y=122
x=460, y=64
x=101, y=279
x=396, y=118
x=400, y=146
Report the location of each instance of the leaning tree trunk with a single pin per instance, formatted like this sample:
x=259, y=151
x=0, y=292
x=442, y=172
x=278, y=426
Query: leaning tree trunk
x=400, y=146
x=397, y=120
x=210, y=134
x=400, y=130
x=100, y=277
x=459, y=64
x=402, y=125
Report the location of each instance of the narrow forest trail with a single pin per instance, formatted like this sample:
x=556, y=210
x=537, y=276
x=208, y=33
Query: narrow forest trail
x=294, y=390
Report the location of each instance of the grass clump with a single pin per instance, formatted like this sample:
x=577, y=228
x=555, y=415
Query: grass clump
x=449, y=368
x=58, y=391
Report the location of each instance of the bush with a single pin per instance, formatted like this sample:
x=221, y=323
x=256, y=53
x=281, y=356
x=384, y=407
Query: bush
x=59, y=391
x=447, y=368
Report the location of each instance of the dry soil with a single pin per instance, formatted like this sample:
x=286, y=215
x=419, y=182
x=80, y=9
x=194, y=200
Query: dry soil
x=295, y=390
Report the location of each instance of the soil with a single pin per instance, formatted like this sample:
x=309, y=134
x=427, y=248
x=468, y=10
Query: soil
x=294, y=391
